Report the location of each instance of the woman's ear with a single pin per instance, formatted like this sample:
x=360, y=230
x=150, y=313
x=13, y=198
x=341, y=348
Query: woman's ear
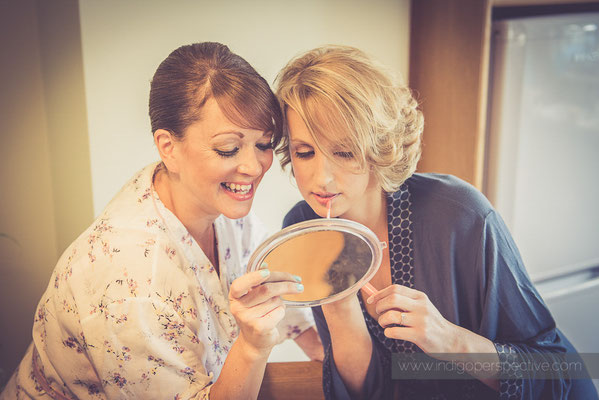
x=166, y=145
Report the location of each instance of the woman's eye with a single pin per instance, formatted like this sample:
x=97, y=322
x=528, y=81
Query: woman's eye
x=227, y=153
x=344, y=154
x=264, y=146
x=304, y=154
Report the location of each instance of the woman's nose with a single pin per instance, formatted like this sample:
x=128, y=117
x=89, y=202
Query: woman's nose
x=324, y=171
x=250, y=164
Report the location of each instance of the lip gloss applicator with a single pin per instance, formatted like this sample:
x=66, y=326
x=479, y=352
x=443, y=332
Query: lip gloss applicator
x=369, y=289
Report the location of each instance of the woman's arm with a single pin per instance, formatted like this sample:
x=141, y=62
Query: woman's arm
x=242, y=373
x=310, y=343
x=351, y=343
x=257, y=306
x=350, y=360
x=408, y=314
x=516, y=319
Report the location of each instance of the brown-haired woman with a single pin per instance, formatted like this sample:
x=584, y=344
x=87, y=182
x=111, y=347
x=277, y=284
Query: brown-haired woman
x=152, y=300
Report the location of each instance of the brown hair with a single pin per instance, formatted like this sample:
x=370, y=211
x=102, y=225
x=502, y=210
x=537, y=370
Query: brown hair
x=344, y=97
x=192, y=74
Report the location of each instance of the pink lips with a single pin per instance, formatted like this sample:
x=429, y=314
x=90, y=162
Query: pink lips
x=324, y=198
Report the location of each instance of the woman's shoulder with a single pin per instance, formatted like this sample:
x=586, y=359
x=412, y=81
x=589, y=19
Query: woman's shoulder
x=107, y=246
x=431, y=192
x=135, y=193
x=301, y=211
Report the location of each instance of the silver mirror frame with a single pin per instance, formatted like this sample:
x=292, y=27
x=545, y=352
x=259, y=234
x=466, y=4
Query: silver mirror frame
x=323, y=224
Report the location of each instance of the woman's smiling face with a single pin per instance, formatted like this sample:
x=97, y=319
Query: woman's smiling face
x=321, y=179
x=219, y=164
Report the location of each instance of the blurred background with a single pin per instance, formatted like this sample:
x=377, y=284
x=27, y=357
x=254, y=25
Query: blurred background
x=74, y=87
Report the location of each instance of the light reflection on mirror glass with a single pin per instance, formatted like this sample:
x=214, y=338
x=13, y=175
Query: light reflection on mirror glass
x=327, y=261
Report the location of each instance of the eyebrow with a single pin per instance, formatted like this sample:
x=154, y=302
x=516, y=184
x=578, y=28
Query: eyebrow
x=240, y=134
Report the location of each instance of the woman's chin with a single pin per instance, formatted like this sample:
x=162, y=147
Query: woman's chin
x=237, y=212
x=318, y=209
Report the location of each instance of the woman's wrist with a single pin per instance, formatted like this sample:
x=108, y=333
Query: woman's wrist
x=250, y=352
x=469, y=349
x=467, y=342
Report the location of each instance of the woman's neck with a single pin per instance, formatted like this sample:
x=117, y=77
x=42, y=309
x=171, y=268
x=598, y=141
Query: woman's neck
x=371, y=210
x=198, y=224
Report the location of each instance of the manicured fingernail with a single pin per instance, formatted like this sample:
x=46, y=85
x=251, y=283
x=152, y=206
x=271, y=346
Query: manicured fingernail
x=297, y=278
x=300, y=287
x=264, y=265
x=264, y=272
x=369, y=300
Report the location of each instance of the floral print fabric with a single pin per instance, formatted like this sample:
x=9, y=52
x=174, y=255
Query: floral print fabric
x=134, y=308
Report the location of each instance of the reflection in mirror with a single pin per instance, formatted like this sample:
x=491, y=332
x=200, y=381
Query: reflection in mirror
x=328, y=262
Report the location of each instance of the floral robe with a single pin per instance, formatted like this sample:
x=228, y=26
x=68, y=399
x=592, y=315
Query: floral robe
x=134, y=308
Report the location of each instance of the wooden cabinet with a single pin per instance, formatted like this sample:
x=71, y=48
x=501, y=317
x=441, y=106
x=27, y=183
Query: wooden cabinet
x=449, y=64
x=449, y=47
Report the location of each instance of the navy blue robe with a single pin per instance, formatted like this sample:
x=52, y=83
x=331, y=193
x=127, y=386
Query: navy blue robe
x=446, y=240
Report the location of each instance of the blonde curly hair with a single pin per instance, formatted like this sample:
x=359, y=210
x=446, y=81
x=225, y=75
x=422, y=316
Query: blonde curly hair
x=347, y=99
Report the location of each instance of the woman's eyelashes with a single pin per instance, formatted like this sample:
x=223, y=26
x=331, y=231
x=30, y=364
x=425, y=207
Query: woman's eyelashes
x=264, y=146
x=227, y=153
x=344, y=154
x=309, y=153
x=231, y=153
x=304, y=154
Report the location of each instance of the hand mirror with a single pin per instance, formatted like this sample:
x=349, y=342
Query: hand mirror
x=334, y=257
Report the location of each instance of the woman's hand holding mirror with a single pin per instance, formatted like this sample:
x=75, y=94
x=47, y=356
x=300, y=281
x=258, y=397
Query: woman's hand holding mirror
x=256, y=304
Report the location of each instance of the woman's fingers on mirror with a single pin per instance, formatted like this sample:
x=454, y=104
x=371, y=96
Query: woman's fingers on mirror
x=268, y=290
x=250, y=317
x=279, y=276
x=271, y=318
x=259, y=311
x=395, y=289
x=242, y=285
x=258, y=325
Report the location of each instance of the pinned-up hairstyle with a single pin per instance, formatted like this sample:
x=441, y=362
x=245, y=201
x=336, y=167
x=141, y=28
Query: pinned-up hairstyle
x=194, y=73
x=346, y=99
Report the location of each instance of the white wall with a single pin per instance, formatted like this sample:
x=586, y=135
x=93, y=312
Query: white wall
x=123, y=43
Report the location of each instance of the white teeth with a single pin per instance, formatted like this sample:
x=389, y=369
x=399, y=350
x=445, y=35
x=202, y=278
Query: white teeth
x=234, y=187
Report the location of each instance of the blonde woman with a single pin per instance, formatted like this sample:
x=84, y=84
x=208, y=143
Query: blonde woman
x=451, y=283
